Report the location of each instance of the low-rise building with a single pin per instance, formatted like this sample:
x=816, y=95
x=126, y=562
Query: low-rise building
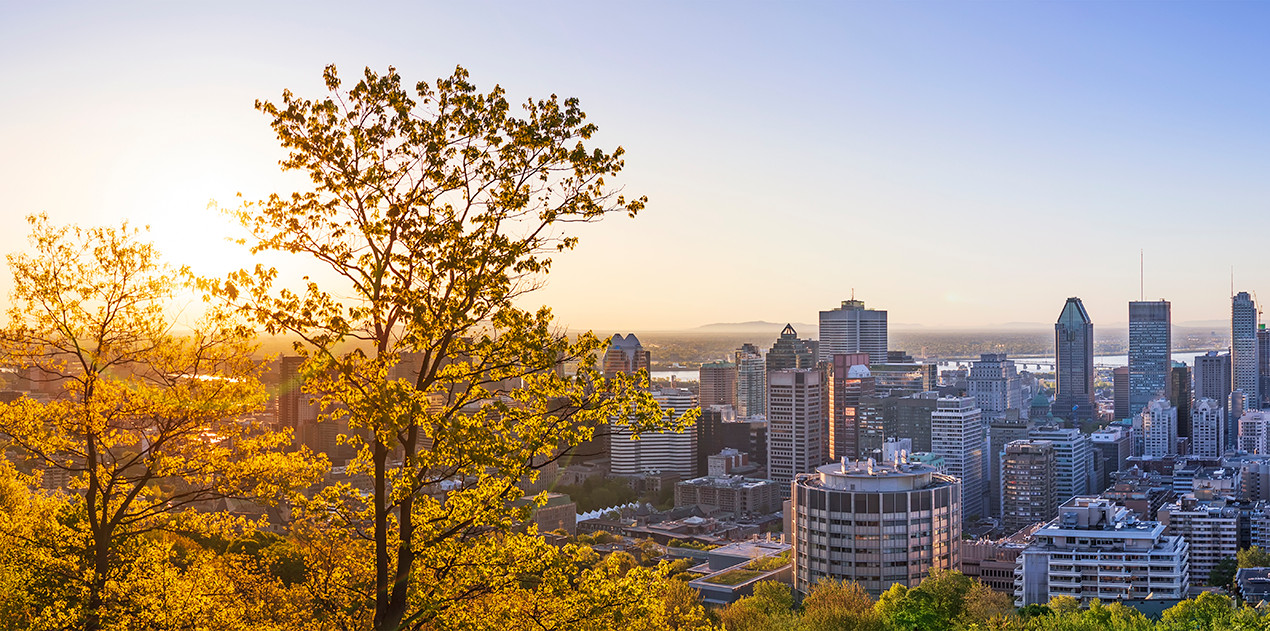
x=1097, y=550
x=736, y=496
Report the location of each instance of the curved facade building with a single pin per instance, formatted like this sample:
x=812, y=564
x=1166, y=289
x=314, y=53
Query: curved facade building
x=874, y=523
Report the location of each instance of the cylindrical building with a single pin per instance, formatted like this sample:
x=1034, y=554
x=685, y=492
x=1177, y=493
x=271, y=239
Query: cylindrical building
x=874, y=523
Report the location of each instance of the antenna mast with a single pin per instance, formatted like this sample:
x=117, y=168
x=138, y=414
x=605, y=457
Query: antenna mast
x=1141, y=276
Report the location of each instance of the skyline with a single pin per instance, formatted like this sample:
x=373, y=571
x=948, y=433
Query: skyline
x=914, y=154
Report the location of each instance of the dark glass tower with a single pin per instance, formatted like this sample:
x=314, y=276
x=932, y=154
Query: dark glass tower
x=1074, y=354
x=1150, y=352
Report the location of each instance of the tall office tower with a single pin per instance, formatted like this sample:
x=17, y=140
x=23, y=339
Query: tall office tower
x=1001, y=432
x=917, y=506
x=1245, y=372
x=912, y=419
x=290, y=399
x=790, y=352
x=751, y=382
x=1208, y=429
x=1098, y=550
x=1180, y=396
x=1074, y=356
x=718, y=384
x=1254, y=432
x=902, y=379
x=1027, y=484
x=849, y=382
x=994, y=383
x=1073, y=457
x=657, y=452
x=1159, y=427
x=796, y=441
x=625, y=355
x=1212, y=381
x=853, y=329
x=957, y=433
x=1112, y=445
x=1263, y=365
x=1120, y=391
x=1150, y=352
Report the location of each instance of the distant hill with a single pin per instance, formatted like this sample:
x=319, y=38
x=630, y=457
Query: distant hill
x=758, y=326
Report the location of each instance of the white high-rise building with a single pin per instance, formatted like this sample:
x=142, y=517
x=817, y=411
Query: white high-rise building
x=1254, y=432
x=1208, y=423
x=1159, y=427
x=1244, y=372
x=1073, y=458
x=957, y=433
x=853, y=329
x=1096, y=550
x=1211, y=528
x=797, y=427
x=657, y=452
x=994, y=383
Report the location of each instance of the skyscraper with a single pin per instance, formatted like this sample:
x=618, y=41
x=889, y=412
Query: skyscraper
x=1263, y=365
x=1120, y=391
x=850, y=381
x=1244, y=369
x=1073, y=459
x=853, y=329
x=657, y=452
x=625, y=355
x=751, y=382
x=790, y=352
x=718, y=384
x=957, y=433
x=994, y=383
x=1074, y=355
x=796, y=440
x=1001, y=432
x=1150, y=352
x=1180, y=394
x=1212, y=381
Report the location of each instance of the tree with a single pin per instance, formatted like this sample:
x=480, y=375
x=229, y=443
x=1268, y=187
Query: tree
x=1224, y=572
x=1253, y=557
x=433, y=214
x=144, y=421
x=839, y=605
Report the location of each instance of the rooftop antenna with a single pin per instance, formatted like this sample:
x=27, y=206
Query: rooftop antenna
x=1141, y=276
x=853, y=293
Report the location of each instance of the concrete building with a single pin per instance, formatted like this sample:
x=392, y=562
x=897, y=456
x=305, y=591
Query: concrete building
x=1113, y=446
x=1181, y=396
x=1212, y=381
x=851, y=328
x=1254, y=432
x=1142, y=492
x=958, y=434
x=736, y=496
x=657, y=452
x=1096, y=550
x=1001, y=432
x=849, y=382
x=717, y=384
x=874, y=523
x=1210, y=527
x=994, y=384
x=1074, y=359
x=898, y=379
x=1028, y=495
x=992, y=562
x=797, y=440
x=1073, y=459
x=1159, y=428
x=1263, y=366
x=1150, y=352
x=751, y=382
x=1208, y=425
x=1245, y=373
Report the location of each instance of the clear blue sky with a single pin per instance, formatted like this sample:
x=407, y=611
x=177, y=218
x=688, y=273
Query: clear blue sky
x=956, y=163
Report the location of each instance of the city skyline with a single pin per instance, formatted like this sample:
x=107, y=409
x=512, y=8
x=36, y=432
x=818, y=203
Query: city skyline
x=764, y=134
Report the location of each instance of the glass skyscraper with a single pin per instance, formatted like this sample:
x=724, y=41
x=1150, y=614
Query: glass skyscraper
x=1074, y=355
x=1150, y=352
x=1244, y=371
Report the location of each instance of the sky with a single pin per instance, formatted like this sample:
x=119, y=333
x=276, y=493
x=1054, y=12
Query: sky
x=957, y=164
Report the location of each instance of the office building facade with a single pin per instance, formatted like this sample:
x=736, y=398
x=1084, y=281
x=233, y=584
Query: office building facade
x=1074, y=359
x=797, y=440
x=1150, y=352
x=958, y=434
x=1245, y=370
x=851, y=328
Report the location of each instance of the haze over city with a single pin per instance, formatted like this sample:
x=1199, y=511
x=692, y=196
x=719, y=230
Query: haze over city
x=961, y=165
